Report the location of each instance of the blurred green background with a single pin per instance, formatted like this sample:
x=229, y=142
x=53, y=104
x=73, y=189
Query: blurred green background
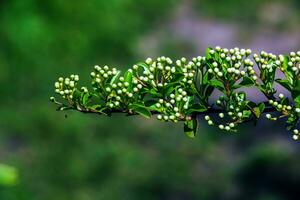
x=45, y=156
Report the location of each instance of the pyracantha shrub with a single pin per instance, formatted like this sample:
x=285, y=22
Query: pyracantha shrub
x=181, y=90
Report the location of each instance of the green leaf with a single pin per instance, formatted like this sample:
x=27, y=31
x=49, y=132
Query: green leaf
x=8, y=175
x=284, y=83
x=208, y=55
x=208, y=90
x=143, y=65
x=140, y=109
x=217, y=84
x=285, y=63
x=190, y=127
x=128, y=79
x=257, y=111
x=85, y=97
x=246, y=113
x=247, y=82
x=151, y=105
x=197, y=108
x=114, y=79
x=297, y=101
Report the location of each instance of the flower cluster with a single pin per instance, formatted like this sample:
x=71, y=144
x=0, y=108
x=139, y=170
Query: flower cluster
x=180, y=90
x=231, y=64
x=66, y=86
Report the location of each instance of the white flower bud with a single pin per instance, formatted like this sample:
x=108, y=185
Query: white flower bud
x=268, y=116
x=296, y=137
x=149, y=61
x=240, y=114
x=56, y=84
x=281, y=96
x=72, y=84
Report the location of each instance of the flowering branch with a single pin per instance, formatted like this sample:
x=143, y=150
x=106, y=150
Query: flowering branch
x=181, y=90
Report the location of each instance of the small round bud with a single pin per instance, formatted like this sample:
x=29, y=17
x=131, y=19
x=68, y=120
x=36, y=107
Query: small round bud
x=268, y=116
x=296, y=137
x=281, y=96
x=240, y=114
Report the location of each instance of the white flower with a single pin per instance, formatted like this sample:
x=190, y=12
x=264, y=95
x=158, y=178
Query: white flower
x=135, y=67
x=149, y=61
x=220, y=74
x=295, y=137
x=281, y=96
x=105, y=67
x=76, y=78
x=240, y=114
x=72, y=84
x=56, y=84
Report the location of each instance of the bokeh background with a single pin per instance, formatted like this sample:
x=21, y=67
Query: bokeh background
x=45, y=156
